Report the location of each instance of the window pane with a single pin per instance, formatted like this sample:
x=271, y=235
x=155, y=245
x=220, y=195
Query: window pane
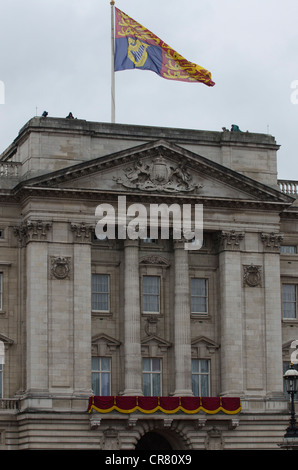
x=156, y=389
x=105, y=383
x=95, y=383
x=95, y=363
x=195, y=365
x=146, y=365
x=289, y=249
x=156, y=364
x=151, y=285
x=195, y=385
x=105, y=364
x=100, y=292
x=204, y=365
x=289, y=300
x=150, y=294
x=146, y=385
x=204, y=385
x=199, y=295
x=1, y=289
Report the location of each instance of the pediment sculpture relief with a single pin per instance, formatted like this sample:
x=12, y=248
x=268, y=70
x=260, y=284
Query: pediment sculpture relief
x=158, y=176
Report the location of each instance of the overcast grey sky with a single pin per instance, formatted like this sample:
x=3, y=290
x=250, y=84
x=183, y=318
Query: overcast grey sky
x=55, y=55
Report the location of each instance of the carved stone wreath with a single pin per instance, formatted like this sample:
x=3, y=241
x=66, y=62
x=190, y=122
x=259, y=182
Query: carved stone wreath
x=60, y=267
x=252, y=276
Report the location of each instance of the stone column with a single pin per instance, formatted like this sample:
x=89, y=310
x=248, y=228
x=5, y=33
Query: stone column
x=82, y=308
x=132, y=340
x=33, y=235
x=182, y=337
x=273, y=340
x=231, y=313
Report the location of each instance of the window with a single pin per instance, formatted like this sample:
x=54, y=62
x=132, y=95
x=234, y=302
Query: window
x=200, y=374
x=151, y=294
x=288, y=249
x=199, y=295
x=101, y=292
x=151, y=377
x=289, y=297
x=150, y=240
x=1, y=291
x=1, y=380
x=101, y=376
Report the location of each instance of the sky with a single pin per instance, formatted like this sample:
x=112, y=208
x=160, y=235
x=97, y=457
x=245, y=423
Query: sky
x=55, y=55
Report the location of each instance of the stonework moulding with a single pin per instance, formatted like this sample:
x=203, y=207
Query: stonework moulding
x=154, y=259
x=60, y=267
x=82, y=232
x=252, y=276
x=159, y=176
x=271, y=241
x=229, y=240
x=32, y=230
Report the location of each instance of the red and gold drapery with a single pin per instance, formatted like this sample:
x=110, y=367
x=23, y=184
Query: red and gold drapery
x=169, y=405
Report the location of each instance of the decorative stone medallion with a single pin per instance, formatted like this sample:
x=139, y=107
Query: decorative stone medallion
x=60, y=267
x=252, y=276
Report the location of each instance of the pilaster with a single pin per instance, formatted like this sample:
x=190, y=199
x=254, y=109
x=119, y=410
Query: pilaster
x=82, y=234
x=231, y=312
x=132, y=335
x=273, y=340
x=34, y=236
x=182, y=337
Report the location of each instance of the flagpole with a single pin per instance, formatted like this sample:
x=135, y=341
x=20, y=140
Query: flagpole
x=112, y=3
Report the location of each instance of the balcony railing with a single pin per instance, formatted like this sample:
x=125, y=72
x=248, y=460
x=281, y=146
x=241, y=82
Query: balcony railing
x=9, y=169
x=289, y=187
x=9, y=404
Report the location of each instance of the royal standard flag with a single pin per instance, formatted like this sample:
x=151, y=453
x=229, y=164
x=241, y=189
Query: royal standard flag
x=136, y=47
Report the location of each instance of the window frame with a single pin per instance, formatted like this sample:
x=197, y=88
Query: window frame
x=99, y=373
x=1, y=379
x=295, y=285
x=285, y=249
x=206, y=296
x=1, y=291
x=108, y=293
x=158, y=295
x=152, y=373
x=201, y=374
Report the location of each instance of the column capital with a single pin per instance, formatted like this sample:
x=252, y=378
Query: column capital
x=229, y=240
x=271, y=241
x=82, y=232
x=32, y=230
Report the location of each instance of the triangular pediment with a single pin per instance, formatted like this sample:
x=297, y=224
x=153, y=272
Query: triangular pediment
x=159, y=168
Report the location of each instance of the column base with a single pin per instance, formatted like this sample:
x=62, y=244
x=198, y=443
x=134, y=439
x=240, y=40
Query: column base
x=132, y=393
x=183, y=393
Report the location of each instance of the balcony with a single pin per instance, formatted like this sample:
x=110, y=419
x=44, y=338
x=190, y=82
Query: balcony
x=8, y=404
x=167, y=405
x=289, y=187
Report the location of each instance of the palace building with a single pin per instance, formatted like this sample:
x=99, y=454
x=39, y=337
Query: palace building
x=135, y=342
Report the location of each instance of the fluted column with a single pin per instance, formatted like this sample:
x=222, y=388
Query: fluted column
x=132, y=341
x=182, y=337
x=273, y=364
x=231, y=313
x=81, y=308
x=33, y=235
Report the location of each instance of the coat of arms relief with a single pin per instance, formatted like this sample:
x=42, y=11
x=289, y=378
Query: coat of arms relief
x=158, y=175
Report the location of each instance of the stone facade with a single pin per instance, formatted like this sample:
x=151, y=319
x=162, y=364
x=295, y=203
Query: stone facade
x=53, y=177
